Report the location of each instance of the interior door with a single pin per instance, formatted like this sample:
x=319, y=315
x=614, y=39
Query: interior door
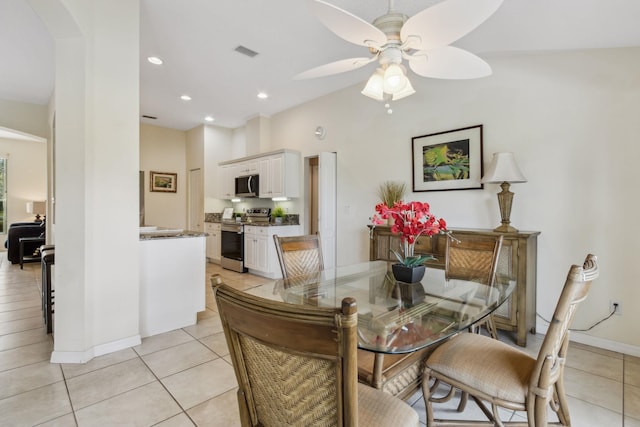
x=327, y=194
x=196, y=208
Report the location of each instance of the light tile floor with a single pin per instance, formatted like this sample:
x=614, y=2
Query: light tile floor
x=185, y=377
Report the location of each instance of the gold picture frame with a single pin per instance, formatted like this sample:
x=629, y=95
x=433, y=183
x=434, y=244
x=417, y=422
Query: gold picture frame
x=163, y=182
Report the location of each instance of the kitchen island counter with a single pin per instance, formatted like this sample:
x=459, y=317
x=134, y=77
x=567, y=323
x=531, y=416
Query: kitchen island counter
x=172, y=281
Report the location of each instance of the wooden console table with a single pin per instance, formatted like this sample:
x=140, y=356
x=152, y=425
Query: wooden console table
x=518, y=262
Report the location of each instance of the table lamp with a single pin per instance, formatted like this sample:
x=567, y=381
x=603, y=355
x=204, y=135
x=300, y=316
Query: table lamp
x=38, y=208
x=504, y=170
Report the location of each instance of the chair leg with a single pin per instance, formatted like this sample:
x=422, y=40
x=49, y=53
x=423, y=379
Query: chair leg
x=464, y=398
x=539, y=412
x=426, y=394
x=491, y=327
x=563, y=405
x=496, y=416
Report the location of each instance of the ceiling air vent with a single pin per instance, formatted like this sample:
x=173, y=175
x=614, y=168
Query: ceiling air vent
x=246, y=51
x=149, y=117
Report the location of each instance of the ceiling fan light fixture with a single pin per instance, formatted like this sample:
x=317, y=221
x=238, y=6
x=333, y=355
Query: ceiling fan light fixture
x=395, y=79
x=408, y=90
x=373, y=88
x=423, y=40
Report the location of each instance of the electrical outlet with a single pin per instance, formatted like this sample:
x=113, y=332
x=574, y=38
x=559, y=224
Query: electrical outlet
x=616, y=306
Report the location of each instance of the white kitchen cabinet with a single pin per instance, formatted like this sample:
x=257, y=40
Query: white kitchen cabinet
x=228, y=175
x=280, y=175
x=214, y=241
x=247, y=168
x=256, y=248
x=260, y=255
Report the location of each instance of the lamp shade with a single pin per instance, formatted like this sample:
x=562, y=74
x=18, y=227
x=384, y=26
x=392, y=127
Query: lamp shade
x=503, y=168
x=38, y=208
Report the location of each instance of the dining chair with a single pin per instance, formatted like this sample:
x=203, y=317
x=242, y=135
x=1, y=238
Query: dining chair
x=296, y=365
x=507, y=377
x=299, y=255
x=474, y=258
x=397, y=374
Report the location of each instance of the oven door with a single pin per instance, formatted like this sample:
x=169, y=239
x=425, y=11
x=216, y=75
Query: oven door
x=232, y=248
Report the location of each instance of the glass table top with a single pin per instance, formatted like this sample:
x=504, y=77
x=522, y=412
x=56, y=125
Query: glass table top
x=395, y=317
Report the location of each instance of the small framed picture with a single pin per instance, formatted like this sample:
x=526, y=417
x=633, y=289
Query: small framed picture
x=164, y=182
x=450, y=160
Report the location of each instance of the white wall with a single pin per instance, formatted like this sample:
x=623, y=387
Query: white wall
x=570, y=119
x=26, y=178
x=24, y=117
x=97, y=160
x=164, y=150
x=218, y=144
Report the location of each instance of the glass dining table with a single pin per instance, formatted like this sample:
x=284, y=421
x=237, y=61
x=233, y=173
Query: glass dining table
x=395, y=317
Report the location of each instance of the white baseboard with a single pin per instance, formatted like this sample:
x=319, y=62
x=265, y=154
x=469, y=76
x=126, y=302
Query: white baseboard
x=99, y=350
x=606, y=344
x=619, y=347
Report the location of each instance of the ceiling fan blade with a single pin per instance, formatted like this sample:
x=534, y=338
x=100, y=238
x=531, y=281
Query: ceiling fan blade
x=449, y=63
x=444, y=23
x=348, y=26
x=334, y=68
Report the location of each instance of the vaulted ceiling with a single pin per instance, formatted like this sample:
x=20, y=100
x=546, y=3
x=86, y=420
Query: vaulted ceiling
x=197, y=41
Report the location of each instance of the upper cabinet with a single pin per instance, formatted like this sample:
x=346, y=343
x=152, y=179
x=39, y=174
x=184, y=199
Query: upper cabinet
x=227, y=179
x=247, y=168
x=279, y=173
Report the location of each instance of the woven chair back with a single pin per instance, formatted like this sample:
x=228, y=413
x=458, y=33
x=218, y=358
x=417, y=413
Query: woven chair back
x=553, y=352
x=299, y=255
x=473, y=258
x=295, y=365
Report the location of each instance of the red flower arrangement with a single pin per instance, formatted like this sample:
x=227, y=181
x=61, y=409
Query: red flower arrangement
x=410, y=220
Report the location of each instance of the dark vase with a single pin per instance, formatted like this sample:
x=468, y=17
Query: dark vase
x=406, y=274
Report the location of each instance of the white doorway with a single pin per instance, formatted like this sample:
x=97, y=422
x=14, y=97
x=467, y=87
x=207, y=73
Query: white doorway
x=320, y=203
x=196, y=202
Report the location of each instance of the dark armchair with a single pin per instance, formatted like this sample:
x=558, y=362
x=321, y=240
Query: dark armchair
x=18, y=230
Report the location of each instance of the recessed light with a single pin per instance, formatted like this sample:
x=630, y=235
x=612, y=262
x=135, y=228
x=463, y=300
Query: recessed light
x=262, y=95
x=209, y=118
x=185, y=98
x=155, y=60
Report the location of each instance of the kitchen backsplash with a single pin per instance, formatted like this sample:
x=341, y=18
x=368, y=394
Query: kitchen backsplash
x=213, y=217
x=289, y=219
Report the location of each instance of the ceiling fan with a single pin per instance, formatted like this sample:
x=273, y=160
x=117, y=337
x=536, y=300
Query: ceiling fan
x=422, y=40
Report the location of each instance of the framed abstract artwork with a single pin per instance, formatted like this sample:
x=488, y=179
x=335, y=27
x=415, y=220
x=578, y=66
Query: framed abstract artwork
x=450, y=160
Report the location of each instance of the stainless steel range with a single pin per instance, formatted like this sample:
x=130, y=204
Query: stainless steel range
x=232, y=249
x=258, y=215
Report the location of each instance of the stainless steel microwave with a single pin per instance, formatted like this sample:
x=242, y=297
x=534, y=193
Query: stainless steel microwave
x=247, y=186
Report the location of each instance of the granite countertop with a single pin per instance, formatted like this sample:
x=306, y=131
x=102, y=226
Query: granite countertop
x=257, y=224
x=151, y=233
x=289, y=219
